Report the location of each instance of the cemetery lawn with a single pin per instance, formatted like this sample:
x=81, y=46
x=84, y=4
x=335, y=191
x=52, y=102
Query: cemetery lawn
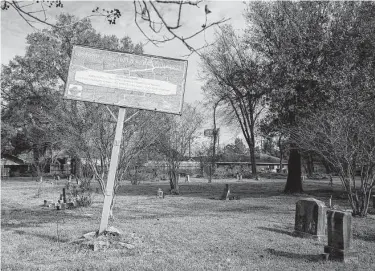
x=191, y=231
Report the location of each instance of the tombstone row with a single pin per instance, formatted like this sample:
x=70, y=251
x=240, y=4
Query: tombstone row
x=61, y=204
x=314, y=220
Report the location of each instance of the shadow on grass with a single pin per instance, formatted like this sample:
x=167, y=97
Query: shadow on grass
x=246, y=209
x=326, y=193
x=27, y=218
x=160, y=216
x=365, y=236
x=277, y=230
x=205, y=190
x=43, y=236
x=50, y=238
x=295, y=256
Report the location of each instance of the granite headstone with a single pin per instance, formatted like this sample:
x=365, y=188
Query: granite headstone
x=340, y=236
x=310, y=219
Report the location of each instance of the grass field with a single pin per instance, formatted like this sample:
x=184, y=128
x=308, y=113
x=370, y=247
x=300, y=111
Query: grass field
x=186, y=232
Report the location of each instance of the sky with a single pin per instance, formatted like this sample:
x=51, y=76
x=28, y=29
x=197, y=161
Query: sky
x=14, y=31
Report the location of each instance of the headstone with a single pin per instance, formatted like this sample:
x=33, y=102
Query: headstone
x=310, y=219
x=47, y=203
x=63, y=206
x=187, y=178
x=70, y=205
x=340, y=236
x=160, y=194
x=226, y=193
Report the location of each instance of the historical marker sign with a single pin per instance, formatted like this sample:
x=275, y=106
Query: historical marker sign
x=126, y=80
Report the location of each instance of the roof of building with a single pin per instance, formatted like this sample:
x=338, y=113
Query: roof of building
x=11, y=160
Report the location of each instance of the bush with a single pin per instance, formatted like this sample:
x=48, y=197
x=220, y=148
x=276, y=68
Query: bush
x=247, y=174
x=272, y=175
x=221, y=173
x=317, y=176
x=81, y=192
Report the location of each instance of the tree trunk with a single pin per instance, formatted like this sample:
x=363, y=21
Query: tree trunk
x=209, y=173
x=213, y=162
x=76, y=167
x=359, y=201
x=39, y=173
x=281, y=155
x=253, y=164
x=327, y=166
x=252, y=154
x=294, y=181
x=173, y=177
x=309, y=164
x=38, y=165
x=214, y=133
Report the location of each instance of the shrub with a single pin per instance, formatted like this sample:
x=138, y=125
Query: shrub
x=222, y=173
x=81, y=192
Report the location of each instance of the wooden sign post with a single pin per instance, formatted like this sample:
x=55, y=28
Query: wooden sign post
x=112, y=170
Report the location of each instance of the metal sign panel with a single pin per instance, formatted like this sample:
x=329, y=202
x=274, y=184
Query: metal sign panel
x=126, y=80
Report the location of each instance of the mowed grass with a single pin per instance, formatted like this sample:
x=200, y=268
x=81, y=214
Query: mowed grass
x=185, y=232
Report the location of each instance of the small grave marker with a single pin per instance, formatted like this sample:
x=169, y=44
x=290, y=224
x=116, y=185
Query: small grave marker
x=47, y=203
x=160, y=194
x=310, y=219
x=340, y=235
